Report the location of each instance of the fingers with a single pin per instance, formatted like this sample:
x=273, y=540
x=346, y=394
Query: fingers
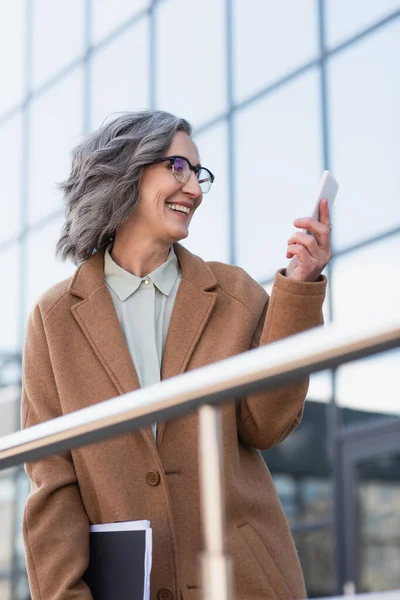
x=312, y=250
x=324, y=216
x=322, y=228
x=308, y=241
x=300, y=251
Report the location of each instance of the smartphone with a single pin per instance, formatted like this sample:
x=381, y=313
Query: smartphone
x=328, y=187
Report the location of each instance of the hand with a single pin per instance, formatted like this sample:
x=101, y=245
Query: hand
x=310, y=253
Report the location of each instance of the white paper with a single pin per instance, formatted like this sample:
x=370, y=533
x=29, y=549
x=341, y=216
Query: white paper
x=134, y=526
x=122, y=526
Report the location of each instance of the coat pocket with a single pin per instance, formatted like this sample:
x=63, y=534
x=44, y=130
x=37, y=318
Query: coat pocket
x=265, y=562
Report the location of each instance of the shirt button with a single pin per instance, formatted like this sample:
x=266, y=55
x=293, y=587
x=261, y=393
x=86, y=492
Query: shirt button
x=153, y=478
x=165, y=594
x=146, y=281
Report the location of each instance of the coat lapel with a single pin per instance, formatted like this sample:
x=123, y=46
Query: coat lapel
x=99, y=322
x=97, y=318
x=193, y=308
x=191, y=313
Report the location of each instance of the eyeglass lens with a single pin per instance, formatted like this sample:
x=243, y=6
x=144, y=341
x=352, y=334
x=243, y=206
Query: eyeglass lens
x=182, y=172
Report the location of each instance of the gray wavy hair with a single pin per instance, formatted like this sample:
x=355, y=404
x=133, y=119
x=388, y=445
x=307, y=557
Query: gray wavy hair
x=102, y=189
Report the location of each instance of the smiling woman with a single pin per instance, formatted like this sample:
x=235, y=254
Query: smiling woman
x=138, y=309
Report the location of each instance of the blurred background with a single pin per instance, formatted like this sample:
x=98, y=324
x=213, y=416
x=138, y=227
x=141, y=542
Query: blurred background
x=277, y=92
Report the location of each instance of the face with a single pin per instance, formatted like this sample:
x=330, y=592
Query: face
x=166, y=206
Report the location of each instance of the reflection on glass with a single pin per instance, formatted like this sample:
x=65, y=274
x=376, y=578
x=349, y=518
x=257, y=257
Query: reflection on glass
x=378, y=496
x=316, y=553
x=191, y=74
x=9, y=302
x=120, y=74
x=12, y=44
x=345, y=18
x=58, y=36
x=56, y=129
x=209, y=229
x=10, y=161
x=365, y=131
x=278, y=165
x=44, y=270
x=6, y=522
x=108, y=16
x=268, y=44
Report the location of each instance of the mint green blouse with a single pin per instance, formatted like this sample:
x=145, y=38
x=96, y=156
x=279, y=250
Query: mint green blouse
x=144, y=308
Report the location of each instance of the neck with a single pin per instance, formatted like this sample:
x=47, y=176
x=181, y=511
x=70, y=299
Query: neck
x=137, y=254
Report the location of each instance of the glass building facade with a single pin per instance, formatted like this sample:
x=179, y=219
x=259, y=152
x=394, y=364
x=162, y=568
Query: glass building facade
x=277, y=92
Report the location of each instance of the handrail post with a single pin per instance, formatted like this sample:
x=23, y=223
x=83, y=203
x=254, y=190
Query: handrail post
x=216, y=565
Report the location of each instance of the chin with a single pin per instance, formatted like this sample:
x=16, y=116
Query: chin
x=178, y=235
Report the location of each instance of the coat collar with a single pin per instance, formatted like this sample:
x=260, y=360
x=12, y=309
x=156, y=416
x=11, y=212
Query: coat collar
x=96, y=316
x=90, y=274
x=124, y=284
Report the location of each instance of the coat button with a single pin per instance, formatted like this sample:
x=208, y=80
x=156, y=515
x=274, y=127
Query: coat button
x=153, y=478
x=165, y=594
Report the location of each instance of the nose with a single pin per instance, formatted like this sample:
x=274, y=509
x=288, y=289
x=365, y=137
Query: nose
x=192, y=187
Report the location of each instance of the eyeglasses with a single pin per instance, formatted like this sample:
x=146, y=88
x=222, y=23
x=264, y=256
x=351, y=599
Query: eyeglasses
x=181, y=168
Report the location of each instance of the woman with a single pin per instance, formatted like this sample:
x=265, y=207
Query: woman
x=134, y=187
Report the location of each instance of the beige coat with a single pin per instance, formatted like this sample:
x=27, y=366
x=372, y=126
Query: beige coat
x=75, y=355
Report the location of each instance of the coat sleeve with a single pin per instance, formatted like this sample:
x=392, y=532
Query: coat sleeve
x=55, y=524
x=266, y=418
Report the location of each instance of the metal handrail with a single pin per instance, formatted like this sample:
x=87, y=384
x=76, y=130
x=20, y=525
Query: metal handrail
x=263, y=368
x=259, y=369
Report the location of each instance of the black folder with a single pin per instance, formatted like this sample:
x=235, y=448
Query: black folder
x=117, y=567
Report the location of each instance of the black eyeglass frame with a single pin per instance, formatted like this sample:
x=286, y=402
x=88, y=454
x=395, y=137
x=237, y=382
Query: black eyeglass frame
x=195, y=169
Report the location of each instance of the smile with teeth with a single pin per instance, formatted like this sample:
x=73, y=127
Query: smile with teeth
x=179, y=208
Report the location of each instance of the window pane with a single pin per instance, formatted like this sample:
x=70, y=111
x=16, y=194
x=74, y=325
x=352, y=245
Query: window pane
x=10, y=161
x=120, y=74
x=345, y=18
x=305, y=459
x=368, y=389
x=58, y=36
x=365, y=289
x=378, y=531
x=44, y=270
x=108, y=16
x=209, y=230
x=21, y=589
x=9, y=408
x=269, y=44
x=365, y=283
x=5, y=588
x=191, y=75
x=56, y=129
x=365, y=131
x=320, y=389
x=305, y=500
x=6, y=522
x=278, y=165
x=10, y=301
x=12, y=44
x=316, y=553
